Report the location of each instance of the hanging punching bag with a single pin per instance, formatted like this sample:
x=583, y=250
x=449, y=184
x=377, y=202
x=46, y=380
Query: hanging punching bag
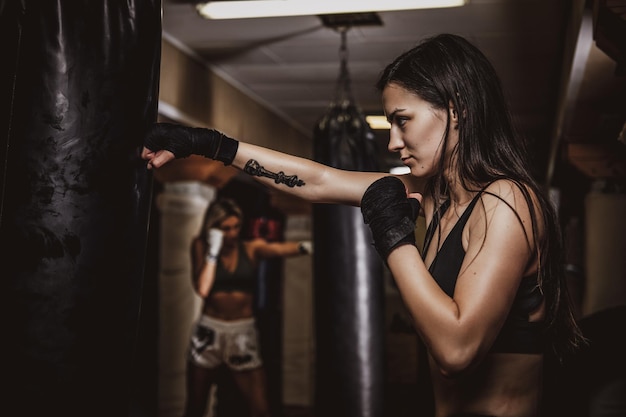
x=79, y=91
x=349, y=303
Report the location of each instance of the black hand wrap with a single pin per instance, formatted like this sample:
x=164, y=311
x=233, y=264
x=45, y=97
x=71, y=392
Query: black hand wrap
x=183, y=141
x=390, y=214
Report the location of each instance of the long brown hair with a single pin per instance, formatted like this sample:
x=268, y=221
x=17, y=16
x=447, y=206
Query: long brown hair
x=448, y=69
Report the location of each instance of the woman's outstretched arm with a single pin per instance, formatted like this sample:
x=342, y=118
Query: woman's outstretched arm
x=301, y=177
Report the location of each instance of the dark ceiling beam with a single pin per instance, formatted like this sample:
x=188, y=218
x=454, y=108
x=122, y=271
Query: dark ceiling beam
x=569, y=83
x=609, y=23
x=585, y=133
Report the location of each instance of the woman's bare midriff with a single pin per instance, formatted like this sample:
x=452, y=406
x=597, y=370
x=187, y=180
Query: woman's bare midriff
x=505, y=385
x=229, y=305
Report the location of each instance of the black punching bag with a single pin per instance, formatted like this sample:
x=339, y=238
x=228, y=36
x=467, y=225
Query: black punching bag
x=79, y=90
x=349, y=288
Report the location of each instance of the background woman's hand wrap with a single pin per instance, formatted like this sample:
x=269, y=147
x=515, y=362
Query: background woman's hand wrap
x=183, y=141
x=390, y=214
x=215, y=238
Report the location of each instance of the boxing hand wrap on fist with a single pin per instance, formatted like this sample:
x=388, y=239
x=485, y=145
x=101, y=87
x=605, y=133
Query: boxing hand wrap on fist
x=183, y=141
x=306, y=247
x=215, y=238
x=390, y=214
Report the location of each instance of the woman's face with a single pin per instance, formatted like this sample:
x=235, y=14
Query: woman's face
x=417, y=130
x=231, y=226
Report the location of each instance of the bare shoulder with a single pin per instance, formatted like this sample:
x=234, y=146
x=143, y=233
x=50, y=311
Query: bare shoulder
x=506, y=193
x=503, y=228
x=253, y=247
x=509, y=208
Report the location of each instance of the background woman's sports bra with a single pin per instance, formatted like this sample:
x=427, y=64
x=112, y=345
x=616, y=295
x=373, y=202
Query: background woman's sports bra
x=518, y=335
x=243, y=278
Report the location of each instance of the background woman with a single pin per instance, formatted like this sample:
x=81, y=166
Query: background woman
x=224, y=273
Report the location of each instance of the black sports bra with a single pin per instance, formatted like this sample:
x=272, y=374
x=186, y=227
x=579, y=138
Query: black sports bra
x=518, y=335
x=243, y=278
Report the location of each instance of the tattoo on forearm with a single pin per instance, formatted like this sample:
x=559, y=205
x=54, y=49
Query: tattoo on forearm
x=253, y=168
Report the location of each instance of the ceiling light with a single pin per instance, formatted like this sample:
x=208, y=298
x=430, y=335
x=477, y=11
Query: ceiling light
x=242, y=9
x=378, y=122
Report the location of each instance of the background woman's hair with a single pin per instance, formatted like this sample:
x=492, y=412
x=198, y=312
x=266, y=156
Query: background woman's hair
x=217, y=212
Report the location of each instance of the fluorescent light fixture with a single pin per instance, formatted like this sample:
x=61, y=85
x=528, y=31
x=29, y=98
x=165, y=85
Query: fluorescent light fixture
x=377, y=122
x=242, y=9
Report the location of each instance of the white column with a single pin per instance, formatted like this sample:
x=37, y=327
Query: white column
x=298, y=332
x=182, y=206
x=605, y=250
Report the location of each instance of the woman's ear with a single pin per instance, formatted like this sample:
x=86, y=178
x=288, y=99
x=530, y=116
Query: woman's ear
x=454, y=116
